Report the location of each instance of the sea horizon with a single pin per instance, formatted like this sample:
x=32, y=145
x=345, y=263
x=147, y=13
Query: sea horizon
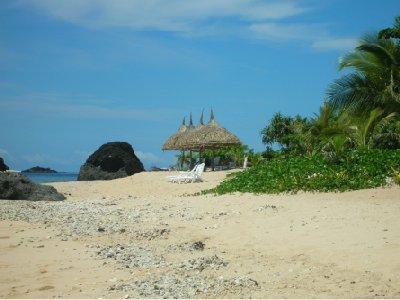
x=52, y=177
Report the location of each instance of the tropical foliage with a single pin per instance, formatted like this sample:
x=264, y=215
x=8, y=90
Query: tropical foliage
x=356, y=169
x=354, y=140
x=362, y=108
x=228, y=155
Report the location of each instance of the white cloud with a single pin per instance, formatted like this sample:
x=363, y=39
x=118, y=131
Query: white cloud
x=287, y=32
x=335, y=44
x=315, y=34
x=171, y=15
x=251, y=19
x=148, y=157
x=87, y=107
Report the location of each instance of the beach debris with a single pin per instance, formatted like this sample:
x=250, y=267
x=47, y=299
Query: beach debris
x=130, y=256
x=205, y=262
x=177, y=285
x=187, y=246
x=199, y=245
x=152, y=233
x=266, y=207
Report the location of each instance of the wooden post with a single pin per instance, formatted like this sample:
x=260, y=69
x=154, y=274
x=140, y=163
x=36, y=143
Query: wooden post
x=191, y=160
x=183, y=158
x=212, y=160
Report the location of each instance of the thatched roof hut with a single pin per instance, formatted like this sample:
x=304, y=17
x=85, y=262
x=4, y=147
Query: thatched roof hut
x=172, y=143
x=210, y=136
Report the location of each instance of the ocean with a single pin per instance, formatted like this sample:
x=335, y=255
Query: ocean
x=51, y=177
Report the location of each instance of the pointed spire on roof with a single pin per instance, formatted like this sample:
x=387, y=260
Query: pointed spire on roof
x=190, y=121
x=212, y=118
x=202, y=117
x=183, y=126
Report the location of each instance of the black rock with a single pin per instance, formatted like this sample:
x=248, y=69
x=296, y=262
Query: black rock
x=3, y=166
x=112, y=160
x=38, y=169
x=198, y=245
x=15, y=186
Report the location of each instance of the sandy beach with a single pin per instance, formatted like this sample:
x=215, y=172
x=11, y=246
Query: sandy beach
x=141, y=236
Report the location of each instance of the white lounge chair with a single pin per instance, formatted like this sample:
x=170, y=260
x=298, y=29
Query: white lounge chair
x=182, y=173
x=192, y=176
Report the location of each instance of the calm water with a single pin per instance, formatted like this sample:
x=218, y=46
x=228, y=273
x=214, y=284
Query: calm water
x=51, y=177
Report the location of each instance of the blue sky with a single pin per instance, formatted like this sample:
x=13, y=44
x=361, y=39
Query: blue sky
x=76, y=74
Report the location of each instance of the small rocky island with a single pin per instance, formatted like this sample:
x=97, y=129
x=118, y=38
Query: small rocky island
x=112, y=160
x=38, y=169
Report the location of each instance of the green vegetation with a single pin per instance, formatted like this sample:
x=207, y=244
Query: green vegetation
x=354, y=170
x=396, y=176
x=354, y=140
x=233, y=154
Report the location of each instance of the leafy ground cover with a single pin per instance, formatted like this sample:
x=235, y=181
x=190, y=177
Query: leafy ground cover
x=358, y=169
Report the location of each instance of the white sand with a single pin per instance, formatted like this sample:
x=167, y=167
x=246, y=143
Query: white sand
x=304, y=245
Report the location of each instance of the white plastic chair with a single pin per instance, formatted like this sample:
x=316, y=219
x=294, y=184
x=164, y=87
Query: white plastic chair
x=182, y=173
x=192, y=176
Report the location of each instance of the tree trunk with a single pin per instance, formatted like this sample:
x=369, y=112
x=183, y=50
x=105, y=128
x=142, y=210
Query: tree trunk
x=212, y=161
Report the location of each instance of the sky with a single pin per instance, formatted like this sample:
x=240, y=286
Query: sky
x=76, y=74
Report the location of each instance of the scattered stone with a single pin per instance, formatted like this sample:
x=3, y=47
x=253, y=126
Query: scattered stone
x=152, y=234
x=205, y=262
x=266, y=207
x=130, y=256
x=175, y=285
x=198, y=245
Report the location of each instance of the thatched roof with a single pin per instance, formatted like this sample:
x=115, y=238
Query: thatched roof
x=172, y=143
x=210, y=136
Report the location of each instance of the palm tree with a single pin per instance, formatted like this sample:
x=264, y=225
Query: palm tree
x=391, y=33
x=329, y=129
x=364, y=128
x=375, y=81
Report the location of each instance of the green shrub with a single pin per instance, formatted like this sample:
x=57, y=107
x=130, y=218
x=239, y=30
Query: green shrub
x=353, y=170
x=396, y=176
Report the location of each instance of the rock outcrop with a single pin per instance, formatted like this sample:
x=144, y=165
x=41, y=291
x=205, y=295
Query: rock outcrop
x=15, y=186
x=38, y=169
x=3, y=166
x=112, y=160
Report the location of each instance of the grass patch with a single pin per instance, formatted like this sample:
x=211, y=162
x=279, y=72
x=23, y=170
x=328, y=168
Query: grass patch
x=353, y=170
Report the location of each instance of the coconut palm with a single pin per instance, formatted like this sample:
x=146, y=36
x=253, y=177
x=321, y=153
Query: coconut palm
x=364, y=128
x=375, y=81
x=331, y=129
x=391, y=33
